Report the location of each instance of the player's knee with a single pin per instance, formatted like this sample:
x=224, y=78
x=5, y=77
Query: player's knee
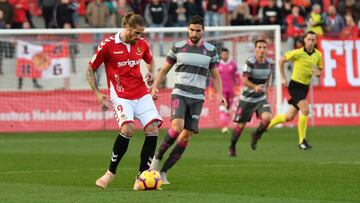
x=266, y=119
x=289, y=117
x=127, y=130
x=184, y=140
x=152, y=128
x=177, y=128
x=305, y=111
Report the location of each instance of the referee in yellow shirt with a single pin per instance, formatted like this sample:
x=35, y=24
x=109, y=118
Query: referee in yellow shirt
x=306, y=62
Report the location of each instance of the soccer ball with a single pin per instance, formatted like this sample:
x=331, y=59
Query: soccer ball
x=149, y=180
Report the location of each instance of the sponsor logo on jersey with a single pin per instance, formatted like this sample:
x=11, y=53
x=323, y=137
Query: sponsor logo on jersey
x=118, y=52
x=130, y=63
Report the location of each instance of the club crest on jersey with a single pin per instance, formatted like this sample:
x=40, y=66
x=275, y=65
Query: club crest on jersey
x=138, y=51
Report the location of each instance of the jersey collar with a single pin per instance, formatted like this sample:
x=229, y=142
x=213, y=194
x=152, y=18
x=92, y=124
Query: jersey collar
x=117, y=38
x=192, y=45
x=309, y=52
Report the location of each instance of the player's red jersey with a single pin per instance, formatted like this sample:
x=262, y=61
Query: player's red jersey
x=122, y=65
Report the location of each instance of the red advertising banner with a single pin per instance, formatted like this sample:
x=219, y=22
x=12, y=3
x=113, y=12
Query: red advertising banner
x=78, y=111
x=75, y=111
x=341, y=62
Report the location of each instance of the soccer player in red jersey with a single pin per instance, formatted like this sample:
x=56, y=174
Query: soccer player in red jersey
x=121, y=53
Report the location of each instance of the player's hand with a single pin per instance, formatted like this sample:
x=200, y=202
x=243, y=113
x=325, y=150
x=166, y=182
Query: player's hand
x=154, y=94
x=283, y=82
x=223, y=101
x=317, y=72
x=103, y=102
x=149, y=79
x=258, y=88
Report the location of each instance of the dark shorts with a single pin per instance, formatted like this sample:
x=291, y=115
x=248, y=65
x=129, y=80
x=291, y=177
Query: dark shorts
x=298, y=92
x=188, y=109
x=245, y=110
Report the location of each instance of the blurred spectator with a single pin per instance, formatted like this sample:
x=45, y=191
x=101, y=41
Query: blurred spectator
x=122, y=8
x=212, y=14
x=328, y=3
x=286, y=8
x=351, y=30
x=334, y=23
x=241, y=15
x=254, y=7
x=178, y=13
x=356, y=11
x=136, y=6
x=346, y=7
x=178, y=16
x=195, y=7
x=233, y=4
x=47, y=9
x=271, y=14
x=315, y=20
x=111, y=9
x=7, y=10
x=303, y=4
x=295, y=24
x=2, y=20
x=64, y=14
x=97, y=14
x=20, y=18
x=156, y=15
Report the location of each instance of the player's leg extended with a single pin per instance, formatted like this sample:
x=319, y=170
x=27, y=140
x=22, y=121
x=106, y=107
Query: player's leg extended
x=178, y=150
x=171, y=135
x=147, y=114
x=302, y=122
x=149, y=146
x=265, y=120
x=224, y=113
x=282, y=118
x=119, y=149
x=235, y=137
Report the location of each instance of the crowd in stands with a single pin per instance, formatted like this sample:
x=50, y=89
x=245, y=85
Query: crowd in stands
x=332, y=18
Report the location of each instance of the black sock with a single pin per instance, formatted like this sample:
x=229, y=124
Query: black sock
x=167, y=141
x=119, y=149
x=235, y=136
x=174, y=156
x=262, y=128
x=147, y=151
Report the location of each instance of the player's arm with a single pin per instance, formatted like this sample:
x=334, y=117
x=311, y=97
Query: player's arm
x=218, y=84
x=319, y=67
x=159, y=78
x=100, y=97
x=282, y=70
x=150, y=75
x=250, y=84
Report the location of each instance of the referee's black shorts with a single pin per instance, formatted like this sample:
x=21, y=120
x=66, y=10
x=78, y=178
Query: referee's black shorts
x=298, y=92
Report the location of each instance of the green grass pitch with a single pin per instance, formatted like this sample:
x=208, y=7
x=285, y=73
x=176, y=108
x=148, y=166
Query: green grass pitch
x=63, y=167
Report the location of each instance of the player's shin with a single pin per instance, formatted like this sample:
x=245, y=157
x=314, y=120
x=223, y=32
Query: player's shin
x=235, y=136
x=119, y=149
x=174, y=156
x=147, y=151
x=262, y=127
x=280, y=118
x=169, y=138
x=302, y=126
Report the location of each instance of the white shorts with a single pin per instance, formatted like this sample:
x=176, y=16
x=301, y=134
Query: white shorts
x=142, y=109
